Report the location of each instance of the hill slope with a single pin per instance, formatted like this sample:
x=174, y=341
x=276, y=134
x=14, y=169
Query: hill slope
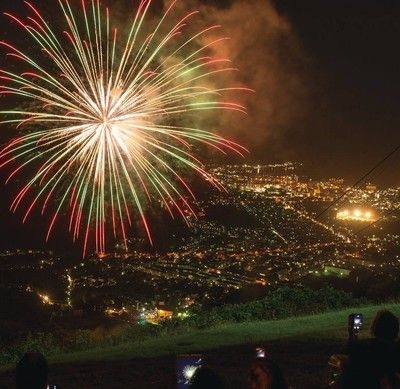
x=301, y=345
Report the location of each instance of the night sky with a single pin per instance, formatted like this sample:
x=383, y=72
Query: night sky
x=326, y=76
x=352, y=116
x=327, y=81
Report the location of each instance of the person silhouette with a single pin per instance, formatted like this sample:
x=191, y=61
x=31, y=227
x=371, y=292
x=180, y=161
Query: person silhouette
x=266, y=374
x=31, y=371
x=374, y=362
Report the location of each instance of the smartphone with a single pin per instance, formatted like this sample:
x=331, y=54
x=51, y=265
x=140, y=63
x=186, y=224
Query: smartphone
x=260, y=352
x=355, y=321
x=186, y=365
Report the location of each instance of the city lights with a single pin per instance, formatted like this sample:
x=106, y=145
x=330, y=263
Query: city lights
x=356, y=214
x=259, y=239
x=45, y=299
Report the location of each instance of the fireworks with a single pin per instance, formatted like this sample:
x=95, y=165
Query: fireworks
x=105, y=133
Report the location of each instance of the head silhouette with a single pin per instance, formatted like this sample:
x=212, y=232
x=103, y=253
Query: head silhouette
x=266, y=374
x=385, y=325
x=31, y=371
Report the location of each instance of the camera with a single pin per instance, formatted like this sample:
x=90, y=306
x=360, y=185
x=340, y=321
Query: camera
x=355, y=322
x=260, y=352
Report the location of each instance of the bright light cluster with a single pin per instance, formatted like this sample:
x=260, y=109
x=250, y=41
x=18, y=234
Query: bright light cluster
x=356, y=214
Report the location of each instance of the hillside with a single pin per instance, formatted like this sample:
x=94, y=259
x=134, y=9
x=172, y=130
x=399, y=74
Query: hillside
x=301, y=345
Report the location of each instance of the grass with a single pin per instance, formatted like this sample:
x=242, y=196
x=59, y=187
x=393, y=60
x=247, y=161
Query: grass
x=300, y=345
x=330, y=325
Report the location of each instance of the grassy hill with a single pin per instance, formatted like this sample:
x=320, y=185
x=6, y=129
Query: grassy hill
x=301, y=345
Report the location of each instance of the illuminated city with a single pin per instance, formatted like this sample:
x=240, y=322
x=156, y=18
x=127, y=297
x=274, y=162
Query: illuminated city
x=264, y=231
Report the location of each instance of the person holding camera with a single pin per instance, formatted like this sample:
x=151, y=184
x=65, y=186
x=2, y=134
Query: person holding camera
x=373, y=362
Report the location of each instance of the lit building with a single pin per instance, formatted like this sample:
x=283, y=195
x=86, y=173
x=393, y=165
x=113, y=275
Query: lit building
x=357, y=214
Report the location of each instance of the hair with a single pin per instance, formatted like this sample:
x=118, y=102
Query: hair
x=31, y=371
x=385, y=325
x=272, y=372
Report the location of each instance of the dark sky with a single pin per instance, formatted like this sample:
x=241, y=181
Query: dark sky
x=354, y=119
x=326, y=76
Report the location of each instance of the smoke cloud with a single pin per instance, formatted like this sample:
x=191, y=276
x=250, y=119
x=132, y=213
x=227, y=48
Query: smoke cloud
x=272, y=62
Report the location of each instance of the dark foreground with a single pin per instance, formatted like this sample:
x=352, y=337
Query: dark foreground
x=304, y=363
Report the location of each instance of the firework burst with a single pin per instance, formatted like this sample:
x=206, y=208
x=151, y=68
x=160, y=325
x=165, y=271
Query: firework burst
x=103, y=135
